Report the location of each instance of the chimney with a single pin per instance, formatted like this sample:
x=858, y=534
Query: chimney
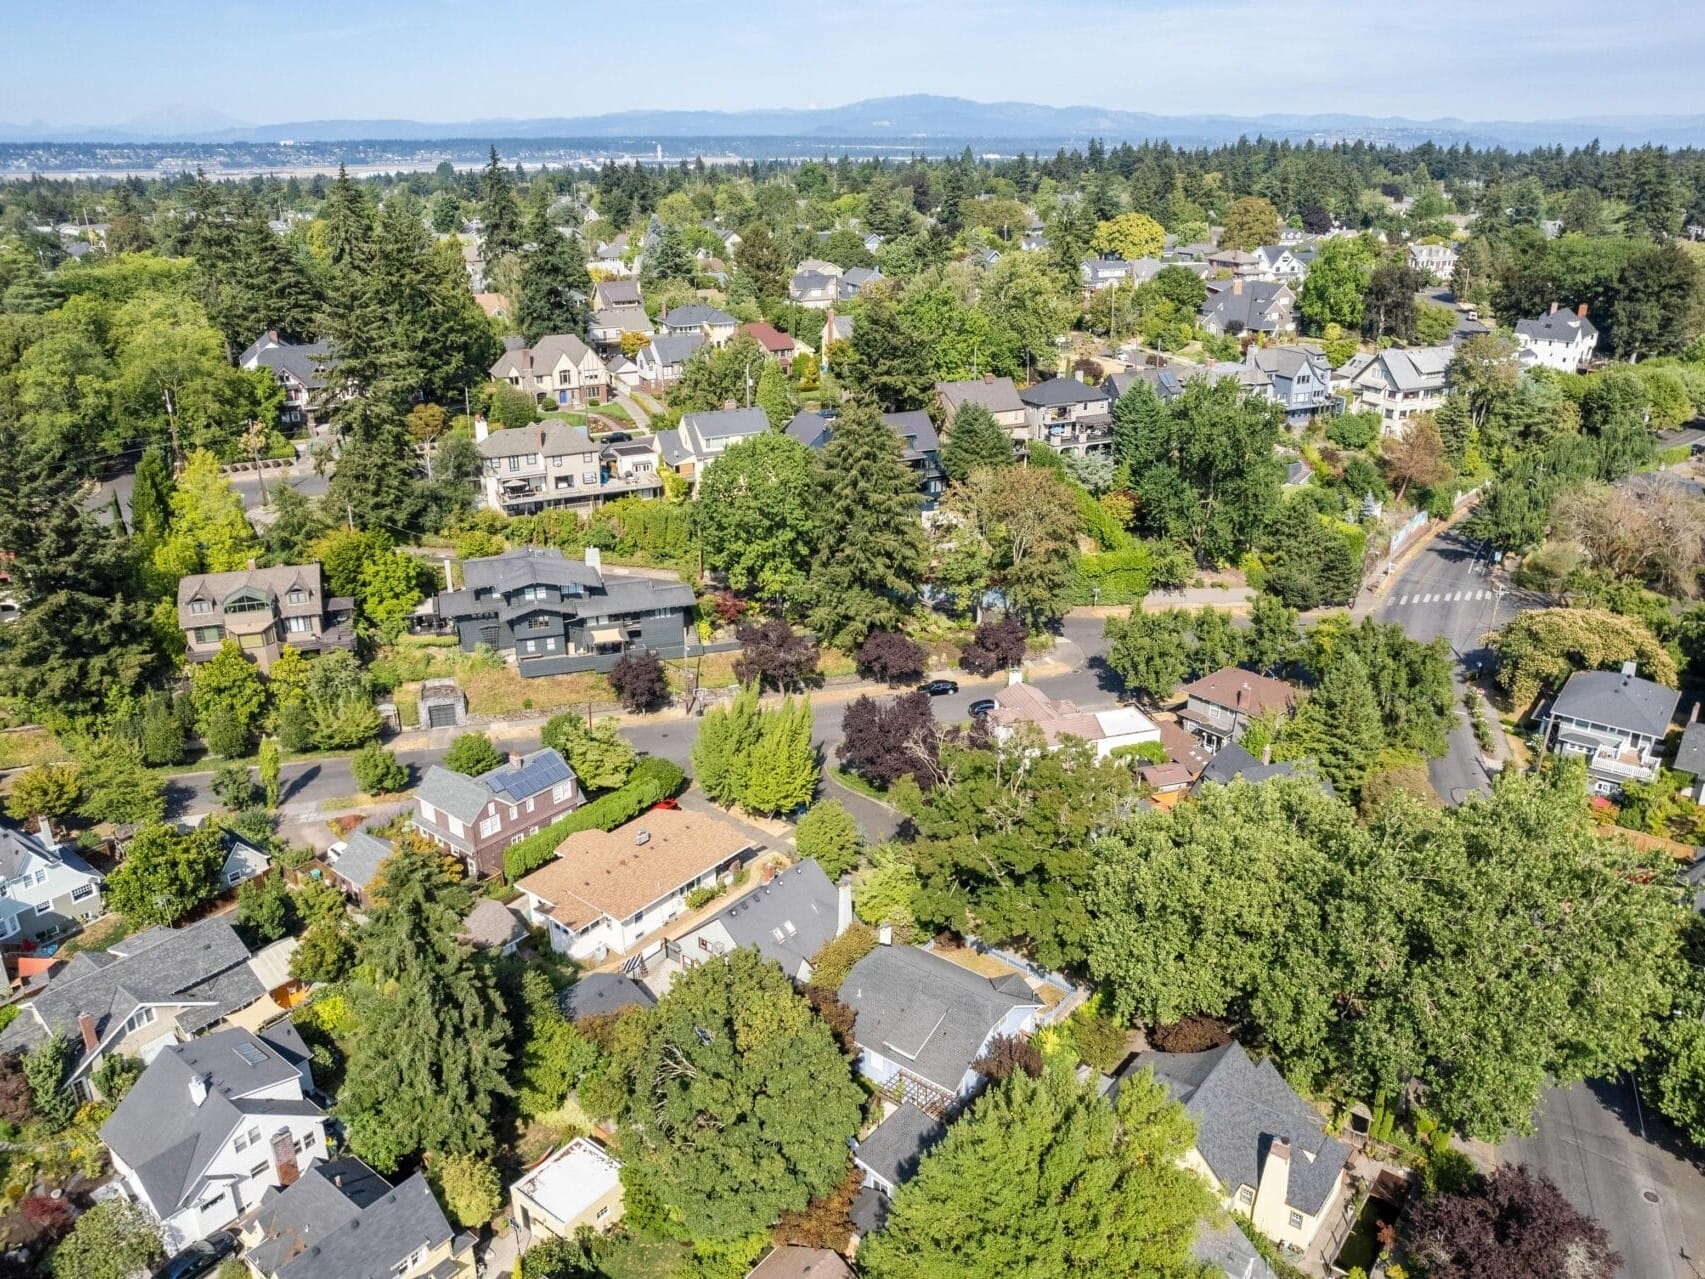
x=197, y=1089
x=251, y=564
x=91, y=1040
x=1014, y=675
x=730, y=404
x=1237, y=287
x=595, y=559
x=1270, y=1209
x=47, y=838
x=1581, y=310
x=1267, y=753
x=1629, y=670
x=449, y=585
x=843, y=905
x=1553, y=310
x=988, y=379
x=885, y=935
x=481, y=427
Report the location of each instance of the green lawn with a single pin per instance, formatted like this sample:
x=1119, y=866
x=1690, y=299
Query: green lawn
x=631, y=1257
x=853, y=782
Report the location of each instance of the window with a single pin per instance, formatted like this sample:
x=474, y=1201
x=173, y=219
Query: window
x=456, y=828
x=517, y=837
x=209, y=634
x=532, y=459
x=245, y=604
x=308, y=1140
x=254, y=1136
x=428, y=813
x=298, y=625
x=260, y=1169
x=199, y=606
x=138, y=1019
x=208, y=1205
x=1296, y=1221
x=1245, y=1195
x=515, y=463
x=40, y=877
x=512, y=813
x=602, y=1213
x=297, y=596
x=530, y=803
x=560, y=792
x=490, y=826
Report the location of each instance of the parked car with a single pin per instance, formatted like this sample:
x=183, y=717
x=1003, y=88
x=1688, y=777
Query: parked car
x=617, y=437
x=941, y=687
x=199, y=1258
x=981, y=707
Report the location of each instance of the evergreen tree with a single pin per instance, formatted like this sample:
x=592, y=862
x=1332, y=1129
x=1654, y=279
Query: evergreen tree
x=1338, y=727
x=975, y=439
x=1044, y=1177
x=151, y=498
x=775, y=395
x=426, y=1069
x=348, y=220
x=82, y=637
x=667, y=258
x=872, y=554
x=555, y=285
x=500, y=212
x=741, y=1104
x=728, y=736
x=782, y=773
x=889, y=362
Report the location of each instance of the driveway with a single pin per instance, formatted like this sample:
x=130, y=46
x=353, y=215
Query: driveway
x=1616, y=1161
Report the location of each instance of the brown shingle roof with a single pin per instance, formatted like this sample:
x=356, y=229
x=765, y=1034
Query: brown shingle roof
x=607, y=873
x=1259, y=693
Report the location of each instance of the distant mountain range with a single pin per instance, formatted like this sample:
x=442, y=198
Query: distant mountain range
x=919, y=116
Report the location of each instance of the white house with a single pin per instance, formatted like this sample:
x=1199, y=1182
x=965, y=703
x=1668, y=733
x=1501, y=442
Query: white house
x=607, y=891
x=1398, y=384
x=578, y=1185
x=1614, y=720
x=1437, y=260
x=788, y=918
x=1561, y=340
x=45, y=891
x=702, y=437
x=213, y=1125
x=1107, y=731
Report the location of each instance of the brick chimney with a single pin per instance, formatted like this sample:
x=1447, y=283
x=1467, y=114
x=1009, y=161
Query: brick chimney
x=1237, y=286
x=86, y=1024
x=1581, y=310
x=1553, y=310
x=988, y=379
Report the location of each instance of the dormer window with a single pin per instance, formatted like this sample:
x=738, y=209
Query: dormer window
x=199, y=606
x=297, y=596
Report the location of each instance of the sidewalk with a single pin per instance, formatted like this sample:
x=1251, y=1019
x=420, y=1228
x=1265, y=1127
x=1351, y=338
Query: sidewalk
x=1374, y=593
x=1231, y=598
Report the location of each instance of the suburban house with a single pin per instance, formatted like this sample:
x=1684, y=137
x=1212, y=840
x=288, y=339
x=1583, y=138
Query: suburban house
x=714, y=326
x=613, y=293
x=1234, y=263
x=921, y=1021
x=265, y=610
x=243, y=861
x=353, y=863
x=45, y=891
x=836, y=329
x=560, y=367
x=1231, y=763
x=777, y=345
x=212, y=1126
x=1248, y=306
x=1281, y=264
x=1561, y=340
x=1300, y=380
x=917, y=435
x=1263, y=1147
x=793, y=1261
x=606, y=891
x=1069, y=416
x=1690, y=757
x=559, y=615
x=661, y=361
x=1219, y=706
x=606, y=326
x=601, y=994
x=1165, y=380
x=1437, y=260
x=342, y=1220
x=789, y=919
x=996, y=394
x=491, y=925
x=158, y=987
x=553, y=464
x=610, y=258
x=1399, y=384
x=702, y=437
x=577, y=1186
x=1107, y=731
x=1616, y=721
x=891, y=1152
x=1103, y=273
x=855, y=280
x=816, y=289
x=476, y=818
x=298, y=368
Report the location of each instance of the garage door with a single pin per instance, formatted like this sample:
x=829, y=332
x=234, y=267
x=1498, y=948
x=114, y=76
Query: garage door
x=441, y=716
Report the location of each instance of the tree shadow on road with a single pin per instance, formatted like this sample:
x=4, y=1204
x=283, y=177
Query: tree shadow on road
x=1617, y=1096
x=294, y=786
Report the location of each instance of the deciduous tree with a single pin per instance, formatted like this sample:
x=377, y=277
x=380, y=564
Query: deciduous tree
x=756, y=517
x=1510, y=1222
x=165, y=874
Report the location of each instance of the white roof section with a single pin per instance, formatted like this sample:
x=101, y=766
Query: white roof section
x=569, y=1182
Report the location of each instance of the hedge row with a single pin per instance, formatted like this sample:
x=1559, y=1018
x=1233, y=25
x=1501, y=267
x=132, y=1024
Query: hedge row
x=651, y=780
x=1113, y=577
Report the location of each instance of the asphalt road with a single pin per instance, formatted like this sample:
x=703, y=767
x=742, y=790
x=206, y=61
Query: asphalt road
x=1614, y=1160
x=1450, y=590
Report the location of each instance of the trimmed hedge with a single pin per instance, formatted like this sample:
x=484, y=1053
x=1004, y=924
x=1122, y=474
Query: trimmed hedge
x=1113, y=577
x=651, y=780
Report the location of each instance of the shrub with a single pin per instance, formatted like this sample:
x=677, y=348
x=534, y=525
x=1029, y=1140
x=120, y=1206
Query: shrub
x=234, y=786
x=704, y=895
x=831, y=964
x=1006, y=1054
x=639, y=681
x=377, y=771
x=891, y=657
x=468, y=1187
x=652, y=779
x=997, y=644
x=828, y=833
x=473, y=754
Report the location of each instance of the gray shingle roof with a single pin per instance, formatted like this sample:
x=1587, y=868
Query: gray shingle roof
x=1417, y=368
x=166, y=1139
x=327, y=1197
x=1559, y=326
x=527, y=566
x=1241, y=1107
x=997, y=395
x=1228, y=1250
x=1690, y=755
x=19, y=847
x=461, y=796
x=800, y=904
x=929, y=1015
x=303, y=362
x=547, y=439
x=899, y=1143
x=809, y=428
x=205, y=964
x=1057, y=391
x=722, y=424
x=916, y=430
x=597, y=994
x=1287, y=361
x=697, y=314
x=362, y=856
x=674, y=348
x=1622, y=701
x=384, y=1232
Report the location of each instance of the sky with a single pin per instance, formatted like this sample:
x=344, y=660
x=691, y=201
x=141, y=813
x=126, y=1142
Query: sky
x=172, y=63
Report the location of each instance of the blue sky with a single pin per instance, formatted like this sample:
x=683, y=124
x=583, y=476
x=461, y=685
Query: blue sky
x=112, y=62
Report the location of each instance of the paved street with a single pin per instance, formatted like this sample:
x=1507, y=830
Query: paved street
x=1615, y=1161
